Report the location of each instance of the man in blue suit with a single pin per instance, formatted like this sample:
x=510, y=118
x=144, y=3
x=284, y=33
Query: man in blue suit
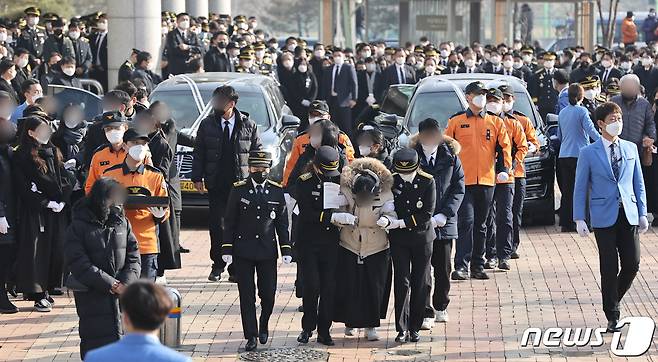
x=145, y=307
x=610, y=170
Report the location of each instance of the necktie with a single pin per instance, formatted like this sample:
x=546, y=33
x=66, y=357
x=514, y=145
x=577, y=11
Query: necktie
x=614, y=162
x=333, y=79
x=259, y=189
x=605, y=76
x=431, y=163
x=227, y=135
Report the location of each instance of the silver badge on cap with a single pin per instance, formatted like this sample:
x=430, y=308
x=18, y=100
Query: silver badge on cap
x=419, y=204
x=272, y=215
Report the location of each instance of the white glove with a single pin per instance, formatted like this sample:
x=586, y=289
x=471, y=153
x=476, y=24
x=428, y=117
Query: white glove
x=158, y=212
x=287, y=259
x=439, y=220
x=4, y=225
x=502, y=177
x=70, y=164
x=343, y=218
x=396, y=224
x=55, y=206
x=581, y=228
x=228, y=259
x=642, y=228
x=371, y=99
x=34, y=188
x=531, y=147
x=306, y=103
x=383, y=222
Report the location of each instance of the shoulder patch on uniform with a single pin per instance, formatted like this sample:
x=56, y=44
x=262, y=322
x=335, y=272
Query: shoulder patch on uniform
x=305, y=176
x=424, y=174
x=274, y=183
x=239, y=183
x=457, y=114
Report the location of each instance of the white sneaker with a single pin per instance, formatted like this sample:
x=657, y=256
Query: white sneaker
x=371, y=334
x=43, y=306
x=349, y=331
x=428, y=323
x=442, y=316
x=161, y=280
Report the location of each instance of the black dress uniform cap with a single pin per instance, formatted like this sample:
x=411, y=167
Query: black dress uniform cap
x=506, y=89
x=319, y=107
x=134, y=134
x=475, y=87
x=33, y=10
x=405, y=160
x=327, y=160
x=495, y=93
x=260, y=158
x=590, y=81
x=112, y=118
x=561, y=76
x=549, y=55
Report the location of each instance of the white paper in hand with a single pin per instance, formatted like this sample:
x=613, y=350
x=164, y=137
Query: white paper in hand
x=332, y=198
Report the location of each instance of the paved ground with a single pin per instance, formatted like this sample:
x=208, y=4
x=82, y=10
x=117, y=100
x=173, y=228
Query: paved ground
x=555, y=284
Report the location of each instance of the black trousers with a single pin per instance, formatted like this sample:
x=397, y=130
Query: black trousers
x=500, y=223
x=265, y=271
x=517, y=210
x=7, y=257
x=341, y=116
x=568, y=175
x=472, y=228
x=618, y=244
x=411, y=265
x=217, y=198
x=439, y=300
x=318, y=265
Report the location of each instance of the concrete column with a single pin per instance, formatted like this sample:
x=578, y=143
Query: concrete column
x=219, y=6
x=132, y=24
x=196, y=7
x=475, y=26
x=404, y=18
x=177, y=6
x=327, y=21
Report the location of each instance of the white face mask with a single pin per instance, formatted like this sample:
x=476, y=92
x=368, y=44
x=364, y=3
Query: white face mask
x=518, y=65
x=74, y=35
x=316, y=141
x=614, y=129
x=164, y=30
x=364, y=150
x=606, y=63
x=291, y=47
x=647, y=62
x=508, y=63
x=138, y=152
x=371, y=67
x=548, y=64
x=445, y=53
x=71, y=123
x=625, y=65
x=184, y=25
x=429, y=69
x=68, y=71
x=429, y=149
x=260, y=54
x=508, y=106
x=399, y=60
x=494, y=108
x=22, y=63
x=33, y=20
x=319, y=53
x=101, y=26
x=408, y=177
x=339, y=60
x=526, y=58
x=287, y=64
x=302, y=68
x=34, y=98
x=495, y=60
x=3, y=37
x=469, y=63
x=114, y=136
x=590, y=94
x=479, y=101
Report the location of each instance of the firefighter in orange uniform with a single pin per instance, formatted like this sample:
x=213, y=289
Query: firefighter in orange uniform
x=141, y=179
x=481, y=135
x=499, y=222
x=114, y=125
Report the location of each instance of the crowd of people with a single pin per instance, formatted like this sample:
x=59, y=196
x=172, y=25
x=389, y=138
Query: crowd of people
x=95, y=204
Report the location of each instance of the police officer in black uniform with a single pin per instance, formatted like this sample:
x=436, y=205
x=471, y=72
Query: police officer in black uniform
x=541, y=86
x=593, y=98
x=32, y=35
x=317, y=244
x=256, y=217
x=128, y=67
x=411, y=237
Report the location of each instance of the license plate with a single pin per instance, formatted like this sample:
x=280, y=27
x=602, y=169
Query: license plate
x=187, y=186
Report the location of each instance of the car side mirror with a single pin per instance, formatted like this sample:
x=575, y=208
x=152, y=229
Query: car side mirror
x=288, y=120
x=551, y=119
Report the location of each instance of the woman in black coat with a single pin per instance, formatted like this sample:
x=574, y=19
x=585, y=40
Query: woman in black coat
x=43, y=186
x=303, y=90
x=103, y=257
x=7, y=214
x=69, y=140
x=438, y=156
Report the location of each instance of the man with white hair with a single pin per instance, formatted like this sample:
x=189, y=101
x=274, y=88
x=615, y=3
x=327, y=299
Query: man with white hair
x=639, y=127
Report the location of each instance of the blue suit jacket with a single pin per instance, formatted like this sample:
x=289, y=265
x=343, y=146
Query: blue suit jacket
x=135, y=347
x=594, y=173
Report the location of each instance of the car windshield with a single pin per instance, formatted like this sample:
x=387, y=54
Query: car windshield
x=396, y=100
x=523, y=105
x=181, y=104
x=437, y=105
x=252, y=103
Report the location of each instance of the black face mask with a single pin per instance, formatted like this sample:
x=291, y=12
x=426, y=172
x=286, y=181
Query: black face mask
x=221, y=45
x=452, y=64
x=58, y=32
x=259, y=177
x=584, y=65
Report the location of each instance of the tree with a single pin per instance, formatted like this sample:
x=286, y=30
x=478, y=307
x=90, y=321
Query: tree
x=608, y=24
x=15, y=8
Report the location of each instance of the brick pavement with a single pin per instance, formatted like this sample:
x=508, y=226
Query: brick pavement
x=556, y=283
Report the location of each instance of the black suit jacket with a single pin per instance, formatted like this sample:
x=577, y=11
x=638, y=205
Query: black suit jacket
x=515, y=73
x=345, y=84
x=390, y=76
x=99, y=50
x=476, y=69
x=176, y=56
x=216, y=61
x=614, y=73
x=489, y=68
x=7, y=87
x=83, y=55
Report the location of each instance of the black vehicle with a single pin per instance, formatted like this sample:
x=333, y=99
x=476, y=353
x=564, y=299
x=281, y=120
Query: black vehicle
x=189, y=98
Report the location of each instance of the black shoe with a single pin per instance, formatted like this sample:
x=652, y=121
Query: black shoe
x=479, y=274
x=515, y=255
x=402, y=337
x=232, y=279
x=183, y=250
x=263, y=336
x=300, y=308
x=490, y=263
x=414, y=336
x=504, y=264
x=326, y=340
x=251, y=344
x=7, y=307
x=55, y=291
x=612, y=326
x=11, y=289
x=215, y=275
x=459, y=274
x=263, y=333
x=304, y=336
